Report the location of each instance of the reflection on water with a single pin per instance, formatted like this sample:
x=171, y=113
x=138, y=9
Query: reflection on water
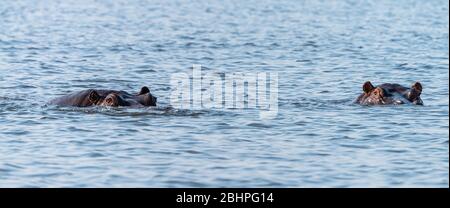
x=322, y=51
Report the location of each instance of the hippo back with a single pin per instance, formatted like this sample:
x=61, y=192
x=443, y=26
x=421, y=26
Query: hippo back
x=78, y=99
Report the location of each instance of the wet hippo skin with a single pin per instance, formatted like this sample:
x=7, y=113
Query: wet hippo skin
x=390, y=94
x=93, y=97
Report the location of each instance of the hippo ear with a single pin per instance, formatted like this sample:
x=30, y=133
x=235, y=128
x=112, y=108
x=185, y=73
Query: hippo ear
x=144, y=90
x=367, y=87
x=416, y=90
x=417, y=87
x=94, y=96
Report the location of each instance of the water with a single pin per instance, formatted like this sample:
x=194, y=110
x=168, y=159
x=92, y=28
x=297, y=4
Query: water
x=323, y=51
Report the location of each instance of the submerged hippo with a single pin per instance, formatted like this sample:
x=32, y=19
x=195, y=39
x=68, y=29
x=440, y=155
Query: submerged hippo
x=386, y=94
x=113, y=98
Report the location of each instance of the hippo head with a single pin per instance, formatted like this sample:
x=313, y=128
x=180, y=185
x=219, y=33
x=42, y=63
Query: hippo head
x=388, y=94
x=115, y=98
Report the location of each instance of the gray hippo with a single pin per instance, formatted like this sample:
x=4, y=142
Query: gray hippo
x=92, y=97
x=387, y=94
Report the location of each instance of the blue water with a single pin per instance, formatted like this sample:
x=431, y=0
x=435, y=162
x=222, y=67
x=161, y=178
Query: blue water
x=323, y=52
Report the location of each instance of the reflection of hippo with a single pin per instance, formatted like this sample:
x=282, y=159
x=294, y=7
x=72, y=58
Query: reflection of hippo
x=390, y=94
x=113, y=98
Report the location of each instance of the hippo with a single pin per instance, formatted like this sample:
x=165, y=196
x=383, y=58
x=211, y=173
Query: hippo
x=113, y=98
x=390, y=94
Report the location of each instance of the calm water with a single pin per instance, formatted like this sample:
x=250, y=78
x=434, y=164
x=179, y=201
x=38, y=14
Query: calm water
x=322, y=50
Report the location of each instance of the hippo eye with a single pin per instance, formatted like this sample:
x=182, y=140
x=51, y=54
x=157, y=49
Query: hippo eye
x=109, y=100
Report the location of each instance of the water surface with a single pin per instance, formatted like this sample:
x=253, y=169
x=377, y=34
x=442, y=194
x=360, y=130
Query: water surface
x=323, y=52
